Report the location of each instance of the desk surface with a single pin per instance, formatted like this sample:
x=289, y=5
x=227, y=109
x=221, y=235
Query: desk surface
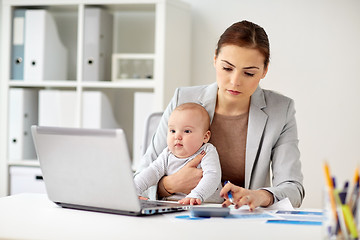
x=33, y=216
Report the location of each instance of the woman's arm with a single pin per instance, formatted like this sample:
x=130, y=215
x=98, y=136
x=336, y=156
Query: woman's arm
x=184, y=180
x=242, y=196
x=286, y=166
x=211, y=179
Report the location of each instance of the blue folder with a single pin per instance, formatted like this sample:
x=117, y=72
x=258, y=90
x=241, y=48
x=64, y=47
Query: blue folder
x=17, y=45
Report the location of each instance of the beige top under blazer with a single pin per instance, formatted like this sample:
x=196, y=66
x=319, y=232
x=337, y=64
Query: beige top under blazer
x=272, y=140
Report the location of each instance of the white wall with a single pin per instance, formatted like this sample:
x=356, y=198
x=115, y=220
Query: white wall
x=0, y=48
x=315, y=59
x=0, y=33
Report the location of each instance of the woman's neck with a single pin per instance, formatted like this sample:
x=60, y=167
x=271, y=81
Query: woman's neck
x=231, y=108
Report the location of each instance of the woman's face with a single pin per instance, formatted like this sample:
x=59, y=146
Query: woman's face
x=238, y=72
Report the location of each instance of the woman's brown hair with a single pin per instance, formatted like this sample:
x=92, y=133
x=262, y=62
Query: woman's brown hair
x=246, y=34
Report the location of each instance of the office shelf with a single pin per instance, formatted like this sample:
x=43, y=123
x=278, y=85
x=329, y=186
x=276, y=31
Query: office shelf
x=155, y=30
x=25, y=163
x=124, y=83
x=60, y=84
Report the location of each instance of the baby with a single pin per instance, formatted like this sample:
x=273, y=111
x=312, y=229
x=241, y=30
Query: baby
x=188, y=135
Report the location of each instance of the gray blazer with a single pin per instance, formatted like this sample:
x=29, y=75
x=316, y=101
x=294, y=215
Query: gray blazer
x=272, y=141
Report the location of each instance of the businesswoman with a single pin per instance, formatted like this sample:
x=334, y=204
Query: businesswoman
x=254, y=130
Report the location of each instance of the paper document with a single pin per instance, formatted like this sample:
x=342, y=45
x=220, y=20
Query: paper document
x=284, y=204
x=281, y=212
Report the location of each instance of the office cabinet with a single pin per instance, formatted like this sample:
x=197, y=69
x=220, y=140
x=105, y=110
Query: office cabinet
x=26, y=179
x=143, y=46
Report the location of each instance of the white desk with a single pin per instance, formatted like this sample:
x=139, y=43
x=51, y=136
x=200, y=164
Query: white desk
x=33, y=216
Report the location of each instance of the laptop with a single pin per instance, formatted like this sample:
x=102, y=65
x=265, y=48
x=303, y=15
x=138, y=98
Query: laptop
x=90, y=169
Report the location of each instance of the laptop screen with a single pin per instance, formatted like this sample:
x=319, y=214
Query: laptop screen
x=89, y=167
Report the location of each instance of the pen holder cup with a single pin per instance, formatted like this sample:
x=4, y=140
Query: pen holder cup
x=329, y=224
x=357, y=213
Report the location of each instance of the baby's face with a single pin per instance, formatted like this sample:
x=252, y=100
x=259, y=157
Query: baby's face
x=186, y=132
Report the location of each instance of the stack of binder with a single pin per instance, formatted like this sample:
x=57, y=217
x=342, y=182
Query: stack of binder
x=57, y=108
x=37, y=51
x=38, y=54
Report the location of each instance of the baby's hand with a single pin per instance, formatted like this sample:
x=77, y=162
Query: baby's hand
x=191, y=201
x=143, y=198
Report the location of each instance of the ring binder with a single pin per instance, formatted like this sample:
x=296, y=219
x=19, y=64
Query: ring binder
x=97, y=44
x=23, y=112
x=17, y=48
x=45, y=57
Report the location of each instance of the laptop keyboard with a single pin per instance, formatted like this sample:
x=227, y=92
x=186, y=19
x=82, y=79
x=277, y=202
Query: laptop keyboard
x=150, y=204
